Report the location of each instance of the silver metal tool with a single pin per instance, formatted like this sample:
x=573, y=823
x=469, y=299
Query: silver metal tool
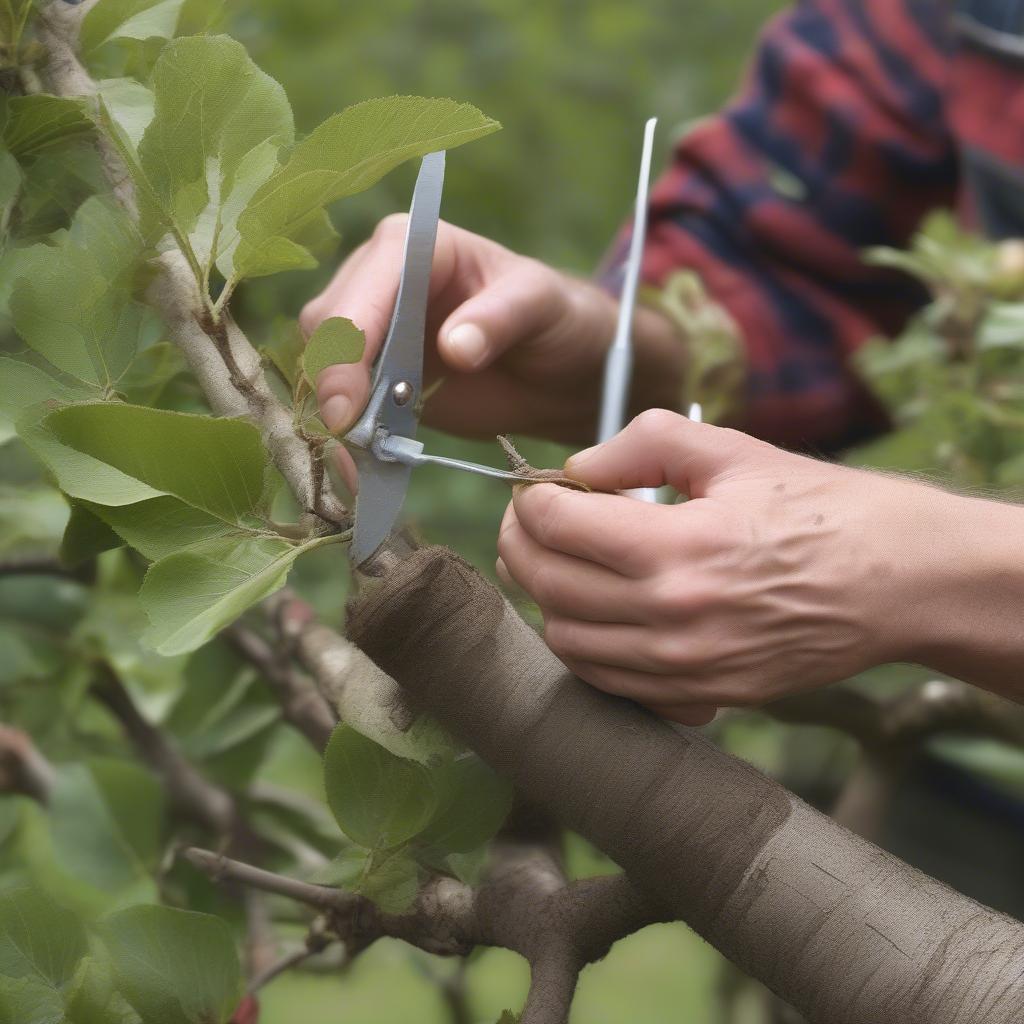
x=618, y=367
x=383, y=441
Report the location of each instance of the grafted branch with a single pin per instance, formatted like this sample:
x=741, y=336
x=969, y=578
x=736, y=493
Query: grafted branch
x=843, y=931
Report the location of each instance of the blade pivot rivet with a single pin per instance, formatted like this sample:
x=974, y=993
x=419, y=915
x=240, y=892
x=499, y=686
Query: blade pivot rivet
x=402, y=392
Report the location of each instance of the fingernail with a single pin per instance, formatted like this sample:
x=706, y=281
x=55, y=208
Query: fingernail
x=581, y=457
x=336, y=412
x=469, y=343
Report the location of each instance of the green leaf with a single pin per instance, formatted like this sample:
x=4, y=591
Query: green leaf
x=129, y=104
x=93, y=998
x=215, y=465
x=1002, y=327
x=89, y=826
x=173, y=966
x=335, y=341
x=218, y=124
x=190, y=596
x=345, y=155
x=38, y=939
x=23, y=385
x=72, y=302
x=33, y=124
x=379, y=800
x=161, y=526
x=473, y=804
x=85, y=537
x=509, y=1017
x=28, y=1001
x=389, y=877
x=128, y=19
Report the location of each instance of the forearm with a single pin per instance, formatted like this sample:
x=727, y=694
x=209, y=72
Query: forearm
x=971, y=619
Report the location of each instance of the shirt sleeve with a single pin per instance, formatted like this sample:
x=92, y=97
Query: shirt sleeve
x=838, y=142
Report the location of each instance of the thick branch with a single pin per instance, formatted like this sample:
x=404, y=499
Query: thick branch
x=23, y=769
x=843, y=931
x=301, y=704
x=228, y=368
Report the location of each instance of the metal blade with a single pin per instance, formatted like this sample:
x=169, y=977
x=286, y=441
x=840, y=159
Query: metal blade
x=395, y=400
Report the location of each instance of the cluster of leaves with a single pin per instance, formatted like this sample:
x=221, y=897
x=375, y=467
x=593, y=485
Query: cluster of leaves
x=953, y=383
x=141, y=965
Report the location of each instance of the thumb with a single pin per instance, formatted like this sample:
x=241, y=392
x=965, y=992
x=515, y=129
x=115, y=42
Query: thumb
x=528, y=302
x=661, y=447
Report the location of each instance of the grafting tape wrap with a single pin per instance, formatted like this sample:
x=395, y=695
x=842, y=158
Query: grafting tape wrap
x=843, y=931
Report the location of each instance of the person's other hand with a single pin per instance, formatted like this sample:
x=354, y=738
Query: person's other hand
x=521, y=346
x=780, y=574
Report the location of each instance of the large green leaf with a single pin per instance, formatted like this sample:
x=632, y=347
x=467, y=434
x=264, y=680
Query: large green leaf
x=217, y=126
x=94, y=835
x=85, y=536
x=32, y=124
x=379, y=800
x=346, y=154
x=215, y=465
x=28, y=1001
x=72, y=302
x=192, y=595
x=128, y=19
x=173, y=966
x=129, y=103
x=38, y=939
x=160, y=526
x=93, y=997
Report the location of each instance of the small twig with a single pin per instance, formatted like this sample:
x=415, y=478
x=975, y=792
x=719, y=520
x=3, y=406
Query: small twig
x=300, y=702
x=317, y=940
x=23, y=769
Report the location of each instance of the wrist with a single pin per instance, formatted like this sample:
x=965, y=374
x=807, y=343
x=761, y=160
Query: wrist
x=968, y=594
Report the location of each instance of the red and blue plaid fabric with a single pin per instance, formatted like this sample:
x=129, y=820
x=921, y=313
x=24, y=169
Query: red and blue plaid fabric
x=858, y=118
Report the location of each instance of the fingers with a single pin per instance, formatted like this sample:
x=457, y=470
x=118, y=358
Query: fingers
x=616, y=532
x=693, y=715
x=560, y=584
x=661, y=447
x=364, y=290
x=617, y=645
x=521, y=303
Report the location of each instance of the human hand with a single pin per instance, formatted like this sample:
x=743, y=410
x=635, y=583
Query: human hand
x=780, y=574
x=521, y=346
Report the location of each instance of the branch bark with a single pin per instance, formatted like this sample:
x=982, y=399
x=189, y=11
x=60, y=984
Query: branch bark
x=843, y=931
x=301, y=704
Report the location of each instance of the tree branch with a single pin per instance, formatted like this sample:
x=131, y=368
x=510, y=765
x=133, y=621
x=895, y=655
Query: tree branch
x=301, y=704
x=225, y=363
x=23, y=769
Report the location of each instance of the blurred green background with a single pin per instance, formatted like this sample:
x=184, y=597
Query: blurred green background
x=572, y=82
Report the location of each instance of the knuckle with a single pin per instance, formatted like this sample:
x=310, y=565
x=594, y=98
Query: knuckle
x=655, y=424
x=670, y=652
x=673, y=599
x=312, y=316
x=557, y=635
x=543, y=586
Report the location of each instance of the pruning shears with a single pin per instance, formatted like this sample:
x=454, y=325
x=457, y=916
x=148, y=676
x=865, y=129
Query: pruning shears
x=383, y=441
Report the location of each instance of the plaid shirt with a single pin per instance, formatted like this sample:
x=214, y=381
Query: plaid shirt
x=858, y=118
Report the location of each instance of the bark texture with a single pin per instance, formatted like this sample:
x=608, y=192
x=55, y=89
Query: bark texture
x=843, y=931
